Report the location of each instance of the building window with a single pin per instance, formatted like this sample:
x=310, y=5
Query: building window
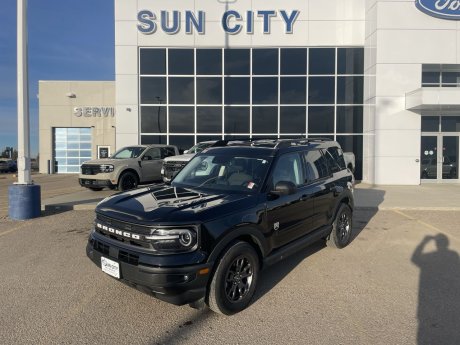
x=72, y=147
x=189, y=95
x=440, y=75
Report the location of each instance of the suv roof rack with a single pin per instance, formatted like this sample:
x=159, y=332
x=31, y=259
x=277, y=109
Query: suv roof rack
x=271, y=142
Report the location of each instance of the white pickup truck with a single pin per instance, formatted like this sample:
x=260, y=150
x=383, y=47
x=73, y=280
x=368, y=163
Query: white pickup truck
x=349, y=160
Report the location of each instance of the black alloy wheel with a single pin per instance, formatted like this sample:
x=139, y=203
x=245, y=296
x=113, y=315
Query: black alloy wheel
x=127, y=181
x=238, y=279
x=341, y=232
x=235, y=279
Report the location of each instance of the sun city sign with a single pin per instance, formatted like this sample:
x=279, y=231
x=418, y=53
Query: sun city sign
x=444, y=9
x=232, y=21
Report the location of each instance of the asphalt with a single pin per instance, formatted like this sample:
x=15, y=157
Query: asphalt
x=378, y=290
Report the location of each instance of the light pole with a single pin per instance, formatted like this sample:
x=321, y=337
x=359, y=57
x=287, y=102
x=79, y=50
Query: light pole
x=24, y=196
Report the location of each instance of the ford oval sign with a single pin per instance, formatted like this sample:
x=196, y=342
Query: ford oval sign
x=445, y=9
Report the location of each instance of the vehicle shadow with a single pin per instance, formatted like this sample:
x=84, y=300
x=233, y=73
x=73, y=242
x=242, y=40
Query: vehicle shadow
x=439, y=292
x=274, y=274
x=186, y=329
x=367, y=203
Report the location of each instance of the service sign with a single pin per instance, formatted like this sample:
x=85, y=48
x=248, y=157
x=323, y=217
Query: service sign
x=444, y=9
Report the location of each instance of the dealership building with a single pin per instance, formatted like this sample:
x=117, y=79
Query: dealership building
x=380, y=77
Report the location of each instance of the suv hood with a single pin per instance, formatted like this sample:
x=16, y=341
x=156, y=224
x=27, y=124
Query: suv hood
x=166, y=204
x=104, y=161
x=180, y=158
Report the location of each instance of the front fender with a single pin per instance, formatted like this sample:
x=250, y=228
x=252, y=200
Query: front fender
x=245, y=232
x=121, y=169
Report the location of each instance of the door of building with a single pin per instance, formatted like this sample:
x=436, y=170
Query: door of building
x=439, y=157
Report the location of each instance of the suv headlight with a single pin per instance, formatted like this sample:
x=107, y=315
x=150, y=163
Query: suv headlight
x=106, y=168
x=174, y=240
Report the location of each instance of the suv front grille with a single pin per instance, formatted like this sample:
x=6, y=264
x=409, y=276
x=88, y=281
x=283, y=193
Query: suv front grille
x=174, y=165
x=87, y=169
x=114, y=225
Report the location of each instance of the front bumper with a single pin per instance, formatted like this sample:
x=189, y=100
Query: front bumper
x=89, y=182
x=177, y=285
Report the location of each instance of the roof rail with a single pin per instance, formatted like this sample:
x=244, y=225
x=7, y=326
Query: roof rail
x=276, y=142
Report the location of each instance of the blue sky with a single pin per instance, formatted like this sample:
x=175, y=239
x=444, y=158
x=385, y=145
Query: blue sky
x=68, y=40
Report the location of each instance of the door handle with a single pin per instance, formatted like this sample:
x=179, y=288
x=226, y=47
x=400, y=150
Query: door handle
x=305, y=197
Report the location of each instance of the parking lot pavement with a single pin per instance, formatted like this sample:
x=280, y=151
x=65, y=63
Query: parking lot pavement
x=389, y=286
x=57, y=191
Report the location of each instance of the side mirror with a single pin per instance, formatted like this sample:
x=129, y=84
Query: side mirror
x=284, y=188
x=185, y=151
x=146, y=158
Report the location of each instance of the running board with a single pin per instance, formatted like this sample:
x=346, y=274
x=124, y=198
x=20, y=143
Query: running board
x=296, y=245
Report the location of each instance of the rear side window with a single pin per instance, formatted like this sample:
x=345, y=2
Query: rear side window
x=153, y=153
x=332, y=163
x=167, y=152
x=337, y=154
x=315, y=165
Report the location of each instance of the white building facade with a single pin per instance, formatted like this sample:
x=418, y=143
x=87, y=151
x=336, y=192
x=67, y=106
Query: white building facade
x=380, y=77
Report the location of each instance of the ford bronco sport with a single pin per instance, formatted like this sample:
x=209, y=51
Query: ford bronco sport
x=228, y=213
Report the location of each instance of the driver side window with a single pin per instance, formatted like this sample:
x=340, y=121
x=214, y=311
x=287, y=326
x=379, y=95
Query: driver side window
x=288, y=169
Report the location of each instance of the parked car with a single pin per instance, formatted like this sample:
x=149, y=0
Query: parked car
x=8, y=165
x=429, y=168
x=172, y=165
x=127, y=168
x=203, y=238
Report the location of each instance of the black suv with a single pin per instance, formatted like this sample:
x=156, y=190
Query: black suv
x=228, y=213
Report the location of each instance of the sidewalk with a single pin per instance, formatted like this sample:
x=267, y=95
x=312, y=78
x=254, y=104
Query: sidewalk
x=424, y=197
x=445, y=197
x=62, y=193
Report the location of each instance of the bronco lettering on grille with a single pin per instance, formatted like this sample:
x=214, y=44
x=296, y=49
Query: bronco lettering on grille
x=118, y=232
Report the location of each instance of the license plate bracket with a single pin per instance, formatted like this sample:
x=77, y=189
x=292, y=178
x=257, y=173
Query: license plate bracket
x=110, y=267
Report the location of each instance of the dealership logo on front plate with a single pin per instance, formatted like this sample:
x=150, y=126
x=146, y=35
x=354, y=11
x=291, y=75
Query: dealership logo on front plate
x=444, y=9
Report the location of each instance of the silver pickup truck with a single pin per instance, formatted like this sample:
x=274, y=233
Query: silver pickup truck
x=349, y=160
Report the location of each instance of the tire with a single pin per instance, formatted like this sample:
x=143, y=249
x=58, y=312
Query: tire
x=96, y=189
x=231, y=291
x=350, y=167
x=341, y=228
x=127, y=181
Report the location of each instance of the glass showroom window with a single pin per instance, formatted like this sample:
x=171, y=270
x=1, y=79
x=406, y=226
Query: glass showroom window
x=188, y=95
x=72, y=147
x=440, y=75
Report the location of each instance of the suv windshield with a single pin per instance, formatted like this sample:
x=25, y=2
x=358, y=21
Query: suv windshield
x=223, y=173
x=199, y=147
x=128, y=152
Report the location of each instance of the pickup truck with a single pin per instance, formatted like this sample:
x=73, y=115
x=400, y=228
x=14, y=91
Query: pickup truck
x=349, y=160
x=127, y=168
